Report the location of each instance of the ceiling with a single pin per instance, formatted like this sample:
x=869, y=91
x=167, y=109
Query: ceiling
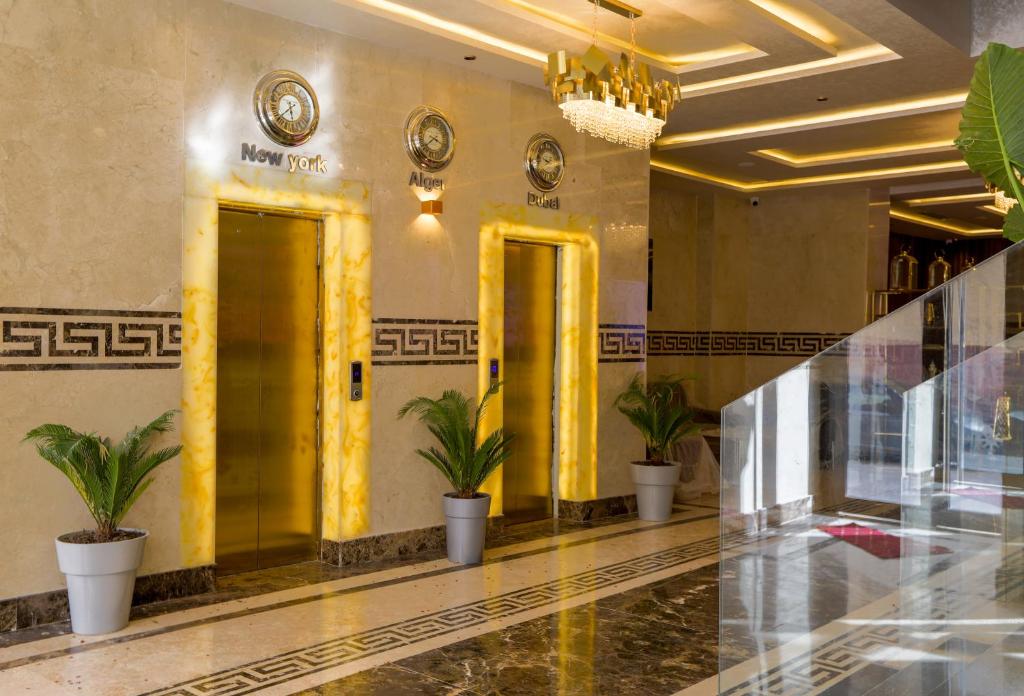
x=777, y=94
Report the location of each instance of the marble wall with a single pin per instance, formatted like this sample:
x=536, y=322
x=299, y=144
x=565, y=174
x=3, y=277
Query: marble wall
x=130, y=95
x=743, y=293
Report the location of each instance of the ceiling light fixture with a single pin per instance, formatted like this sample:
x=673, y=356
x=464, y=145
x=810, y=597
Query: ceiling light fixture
x=859, y=114
x=621, y=104
x=821, y=179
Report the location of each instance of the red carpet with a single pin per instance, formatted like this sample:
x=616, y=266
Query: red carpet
x=992, y=497
x=878, y=543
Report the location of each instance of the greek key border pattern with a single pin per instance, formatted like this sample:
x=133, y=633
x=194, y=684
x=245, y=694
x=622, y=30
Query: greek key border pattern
x=663, y=343
x=316, y=658
x=622, y=343
x=44, y=338
x=425, y=341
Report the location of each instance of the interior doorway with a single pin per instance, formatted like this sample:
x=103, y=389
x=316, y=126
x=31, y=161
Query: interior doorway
x=267, y=390
x=531, y=272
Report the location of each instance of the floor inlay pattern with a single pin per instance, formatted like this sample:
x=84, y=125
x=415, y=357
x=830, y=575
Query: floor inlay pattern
x=315, y=658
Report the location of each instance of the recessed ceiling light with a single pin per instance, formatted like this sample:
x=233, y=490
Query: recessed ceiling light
x=823, y=98
x=468, y=57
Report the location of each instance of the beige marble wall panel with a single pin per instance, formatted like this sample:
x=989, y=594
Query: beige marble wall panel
x=73, y=233
x=731, y=263
x=39, y=503
x=618, y=442
x=91, y=171
x=405, y=490
x=808, y=261
x=676, y=270
x=797, y=262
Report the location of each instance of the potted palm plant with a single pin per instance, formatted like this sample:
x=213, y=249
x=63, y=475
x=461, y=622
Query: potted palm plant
x=100, y=564
x=466, y=461
x=657, y=412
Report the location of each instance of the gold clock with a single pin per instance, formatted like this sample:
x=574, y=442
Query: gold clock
x=286, y=107
x=429, y=139
x=544, y=162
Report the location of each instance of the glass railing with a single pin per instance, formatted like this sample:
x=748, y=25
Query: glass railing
x=873, y=506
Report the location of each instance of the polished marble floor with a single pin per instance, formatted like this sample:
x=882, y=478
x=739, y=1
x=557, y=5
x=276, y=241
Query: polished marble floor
x=618, y=607
x=551, y=610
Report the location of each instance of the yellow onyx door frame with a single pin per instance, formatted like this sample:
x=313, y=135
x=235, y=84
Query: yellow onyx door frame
x=576, y=361
x=344, y=209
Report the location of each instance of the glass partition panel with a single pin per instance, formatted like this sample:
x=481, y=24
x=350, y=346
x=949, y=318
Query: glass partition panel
x=873, y=506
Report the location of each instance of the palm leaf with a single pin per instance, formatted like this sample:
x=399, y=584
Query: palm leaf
x=652, y=410
x=992, y=126
x=109, y=478
x=455, y=424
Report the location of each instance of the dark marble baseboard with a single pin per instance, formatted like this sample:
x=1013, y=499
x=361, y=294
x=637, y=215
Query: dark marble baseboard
x=51, y=607
x=382, y=547
x=585, y=510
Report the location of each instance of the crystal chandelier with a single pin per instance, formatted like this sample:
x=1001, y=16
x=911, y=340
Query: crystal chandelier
x=622, y=104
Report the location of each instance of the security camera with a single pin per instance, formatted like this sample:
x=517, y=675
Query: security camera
x=755, y=201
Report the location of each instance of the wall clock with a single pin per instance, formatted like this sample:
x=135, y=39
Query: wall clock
x=286, y=107
x=429, y=138
x=544, y=162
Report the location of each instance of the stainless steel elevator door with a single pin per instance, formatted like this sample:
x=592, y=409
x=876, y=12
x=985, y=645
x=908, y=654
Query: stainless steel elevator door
x=267, y=383
x=530, y=279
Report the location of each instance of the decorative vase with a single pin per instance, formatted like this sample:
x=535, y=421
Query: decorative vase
x=903, y=272
x=655, y=489
x=101, y=580
x=939, y=271
x=466, y=526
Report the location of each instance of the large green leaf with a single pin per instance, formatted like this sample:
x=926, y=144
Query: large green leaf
x=992, y=126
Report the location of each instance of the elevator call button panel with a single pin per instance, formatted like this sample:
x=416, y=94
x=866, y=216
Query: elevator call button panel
x=495, y=373
x=356, y=381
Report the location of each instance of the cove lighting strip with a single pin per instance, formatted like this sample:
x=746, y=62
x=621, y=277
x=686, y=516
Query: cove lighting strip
x=852, y=58
x=844, y=59
x=856, y=155
x=796, y=22
x=717, y=56
x=775, y=184
x=947, y=200
x=454, y=30
x=992, y=209
x=858, y=114
x=944, y=225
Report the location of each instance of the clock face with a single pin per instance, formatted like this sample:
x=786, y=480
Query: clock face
x=545, y=162
x=286, y=107
x=429, y=139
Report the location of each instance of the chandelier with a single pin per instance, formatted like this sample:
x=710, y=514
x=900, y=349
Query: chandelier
x=620, y=103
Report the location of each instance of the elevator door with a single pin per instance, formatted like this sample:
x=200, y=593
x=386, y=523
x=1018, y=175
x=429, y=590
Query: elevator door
x=530, y=276
x=267, y=338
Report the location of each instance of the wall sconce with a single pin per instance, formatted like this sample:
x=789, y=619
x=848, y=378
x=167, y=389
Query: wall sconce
x=432, y=207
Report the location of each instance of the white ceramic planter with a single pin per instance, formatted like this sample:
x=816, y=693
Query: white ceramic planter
x=655, y=488
x=101, y=579
x=466, y=521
